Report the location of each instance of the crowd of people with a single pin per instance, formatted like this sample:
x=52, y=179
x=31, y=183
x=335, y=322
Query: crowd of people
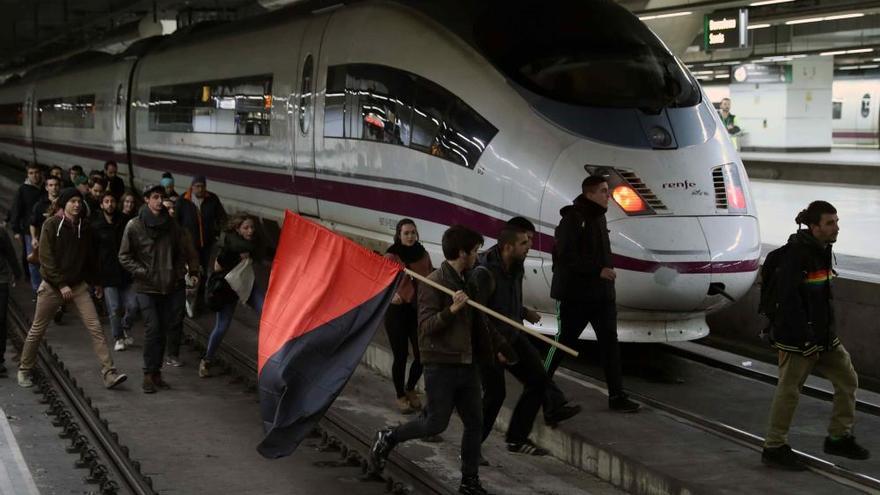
x=87, y=240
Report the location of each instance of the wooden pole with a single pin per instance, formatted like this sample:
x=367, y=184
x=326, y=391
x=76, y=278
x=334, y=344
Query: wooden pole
x=495, y=314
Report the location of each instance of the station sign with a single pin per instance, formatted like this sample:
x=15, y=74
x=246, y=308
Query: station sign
x=726, y=29
x=760, y=73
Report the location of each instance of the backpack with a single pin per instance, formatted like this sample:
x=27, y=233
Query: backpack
x=769, y=301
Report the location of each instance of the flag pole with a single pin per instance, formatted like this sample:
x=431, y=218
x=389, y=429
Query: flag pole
x=495, y=314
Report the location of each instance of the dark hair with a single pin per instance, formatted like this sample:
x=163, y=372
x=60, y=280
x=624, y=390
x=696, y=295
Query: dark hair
x=77, y=168
x=97, y=180
x=106, y=193
x=723, y=99
x=108, y=163
x=459, y=238
x=812, y=215
x=399, y=227
x=52, y=177
x=592, y=182
x=96, y=173
x=521, y=223
x=33, y=166
x=509, y=234
x=239, y=218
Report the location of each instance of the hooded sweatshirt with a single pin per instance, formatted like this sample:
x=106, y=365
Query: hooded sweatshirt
x=65, y=251
x=582, y=250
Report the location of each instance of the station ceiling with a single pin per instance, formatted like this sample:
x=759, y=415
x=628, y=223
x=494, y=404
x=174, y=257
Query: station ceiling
x=36, y=31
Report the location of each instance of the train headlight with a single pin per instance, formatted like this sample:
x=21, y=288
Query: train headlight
x=628, y=199
x=660, y=137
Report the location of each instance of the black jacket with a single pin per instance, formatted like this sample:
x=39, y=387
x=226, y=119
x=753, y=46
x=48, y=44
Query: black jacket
x=502, y=291
x=204, y=225
x=804, y=321
x=10, y=265
x=157, y=252
x=107, y=237
x=117, y=187
x=230, y=247
x=23, y=203
x=582, y=250
x=40, y=212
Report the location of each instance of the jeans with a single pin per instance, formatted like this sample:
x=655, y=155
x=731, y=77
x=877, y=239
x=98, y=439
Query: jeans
x=120, y=306
x=48, y=300
x=224, y=319
x=161, y=312
x=401, y=325
x=529, y=370
x=4, y=304
x=450, y=387
x=794, y=369
x=575, y=316
x=33, y=270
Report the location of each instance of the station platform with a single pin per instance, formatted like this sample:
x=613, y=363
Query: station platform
x=840, y=165
x=15, y=475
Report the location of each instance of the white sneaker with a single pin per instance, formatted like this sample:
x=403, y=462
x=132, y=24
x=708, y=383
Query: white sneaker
x=129, y=340
x=120, y=345
x=25, y=379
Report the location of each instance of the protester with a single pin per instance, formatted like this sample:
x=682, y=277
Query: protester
x=238, y=245
x=10, y=270
x=97, y=186
x=168, y=183
x=128, y=206
x=454, y=339
x=401, y=320
x=65, y=264
x=803, y=330
x=201, y=213
x=113, y=283
x=41, y=210
x=26, y=196
x=115, y=184
x=75, y=176
x=156, y=251
x=57, y=172
x=583, y=283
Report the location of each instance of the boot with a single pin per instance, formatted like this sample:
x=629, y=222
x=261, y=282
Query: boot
x=204, y=368
x=414, y=400
x=159, y=382
x=148, y=387
x=470, y=485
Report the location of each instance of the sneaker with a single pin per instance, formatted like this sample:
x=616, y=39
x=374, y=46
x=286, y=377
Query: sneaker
x=112, y=378
x=129, y=340
x=204, y=368
x=528, y=448
x=382, y=446
x=120, y=345
x=148, y=387
x=470, y=485
x=782, y=458
x=621, y=403
x=414, y=400
x=561, y=414
x=173, y=361
x=404, y=406
x=25, y=379
x=846, y=446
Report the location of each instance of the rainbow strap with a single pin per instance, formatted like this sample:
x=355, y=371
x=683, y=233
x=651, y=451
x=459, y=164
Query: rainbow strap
x=818, y=277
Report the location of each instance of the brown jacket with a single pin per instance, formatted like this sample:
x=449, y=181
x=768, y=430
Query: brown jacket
x=455, y=338
x=157, y=251
x=66, y=257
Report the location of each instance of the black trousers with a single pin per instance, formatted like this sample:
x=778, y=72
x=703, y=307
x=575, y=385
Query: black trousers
x=401, y=325
x=161, y=313
x=4, y=304
x=529, y=370
x=574, y=316
x=450, y=387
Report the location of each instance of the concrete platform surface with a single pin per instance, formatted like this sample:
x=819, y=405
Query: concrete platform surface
x=837, y=156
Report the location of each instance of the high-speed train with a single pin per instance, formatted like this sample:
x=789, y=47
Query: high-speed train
x=357, y=115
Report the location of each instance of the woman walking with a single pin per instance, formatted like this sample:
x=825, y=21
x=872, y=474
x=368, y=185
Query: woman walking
x=237, y=245
x=401, y=321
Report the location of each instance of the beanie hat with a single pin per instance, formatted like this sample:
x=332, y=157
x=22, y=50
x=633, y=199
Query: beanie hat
x=167, y=182
x=199, y=179
x=66, y=195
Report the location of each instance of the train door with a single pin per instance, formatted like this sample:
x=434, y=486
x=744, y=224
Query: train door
x=302, y=127
x=865, y=119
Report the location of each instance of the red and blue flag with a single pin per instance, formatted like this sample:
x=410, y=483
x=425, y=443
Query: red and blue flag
x=326, y=298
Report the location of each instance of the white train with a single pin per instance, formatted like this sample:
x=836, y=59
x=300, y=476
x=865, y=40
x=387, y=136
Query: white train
x=360, y=115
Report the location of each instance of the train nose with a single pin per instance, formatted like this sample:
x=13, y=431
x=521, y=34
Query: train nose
x=683, y=264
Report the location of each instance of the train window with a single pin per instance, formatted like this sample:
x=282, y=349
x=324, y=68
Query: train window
x=837, y=110
x=11, y=114
x=378, y=103
x=383, y=98
x=305, y=97
x=241, y=105
x=67, y=111
x=334, y=102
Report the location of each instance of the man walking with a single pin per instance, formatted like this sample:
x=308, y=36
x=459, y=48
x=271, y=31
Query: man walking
x=65, y=263
x=27, y=195
x=498, y=282
x=583, y=283
x=454, y=339
x=154, y=251
x=803, y=331
x=201, y=213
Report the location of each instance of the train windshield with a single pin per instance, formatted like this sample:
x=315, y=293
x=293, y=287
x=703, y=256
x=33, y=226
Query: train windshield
x=591, y=53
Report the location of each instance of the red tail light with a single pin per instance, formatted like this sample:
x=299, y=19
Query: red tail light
x=628, y=199
x=735, y=197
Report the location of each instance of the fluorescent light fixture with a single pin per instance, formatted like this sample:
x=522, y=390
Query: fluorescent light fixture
x=847, y=52
x=875, y=60
x=664, y=16
x=722, y=76
x=758, y=26
x=860, y=50
x=826, y=18
x=713, y=64
x=849, y=67
x=768, y=2
x=734, y=62
x=856, y=67
x=703, y=72
x=869, y=66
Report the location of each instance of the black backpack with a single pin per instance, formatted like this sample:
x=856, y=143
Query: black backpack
x=769, y=302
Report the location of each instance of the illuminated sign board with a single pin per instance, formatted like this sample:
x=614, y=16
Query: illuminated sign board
x=726, y=29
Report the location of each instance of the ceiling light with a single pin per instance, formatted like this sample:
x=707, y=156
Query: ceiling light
x=843, y=16
x=722, y=76
x=733, y=62
x=849, y=67
x=869, y=66
x=758, y=26
x=664, y=16
x=768, y=2
x=826, y=18
x=713, y=64
x=804, y=21
x=847, y=52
